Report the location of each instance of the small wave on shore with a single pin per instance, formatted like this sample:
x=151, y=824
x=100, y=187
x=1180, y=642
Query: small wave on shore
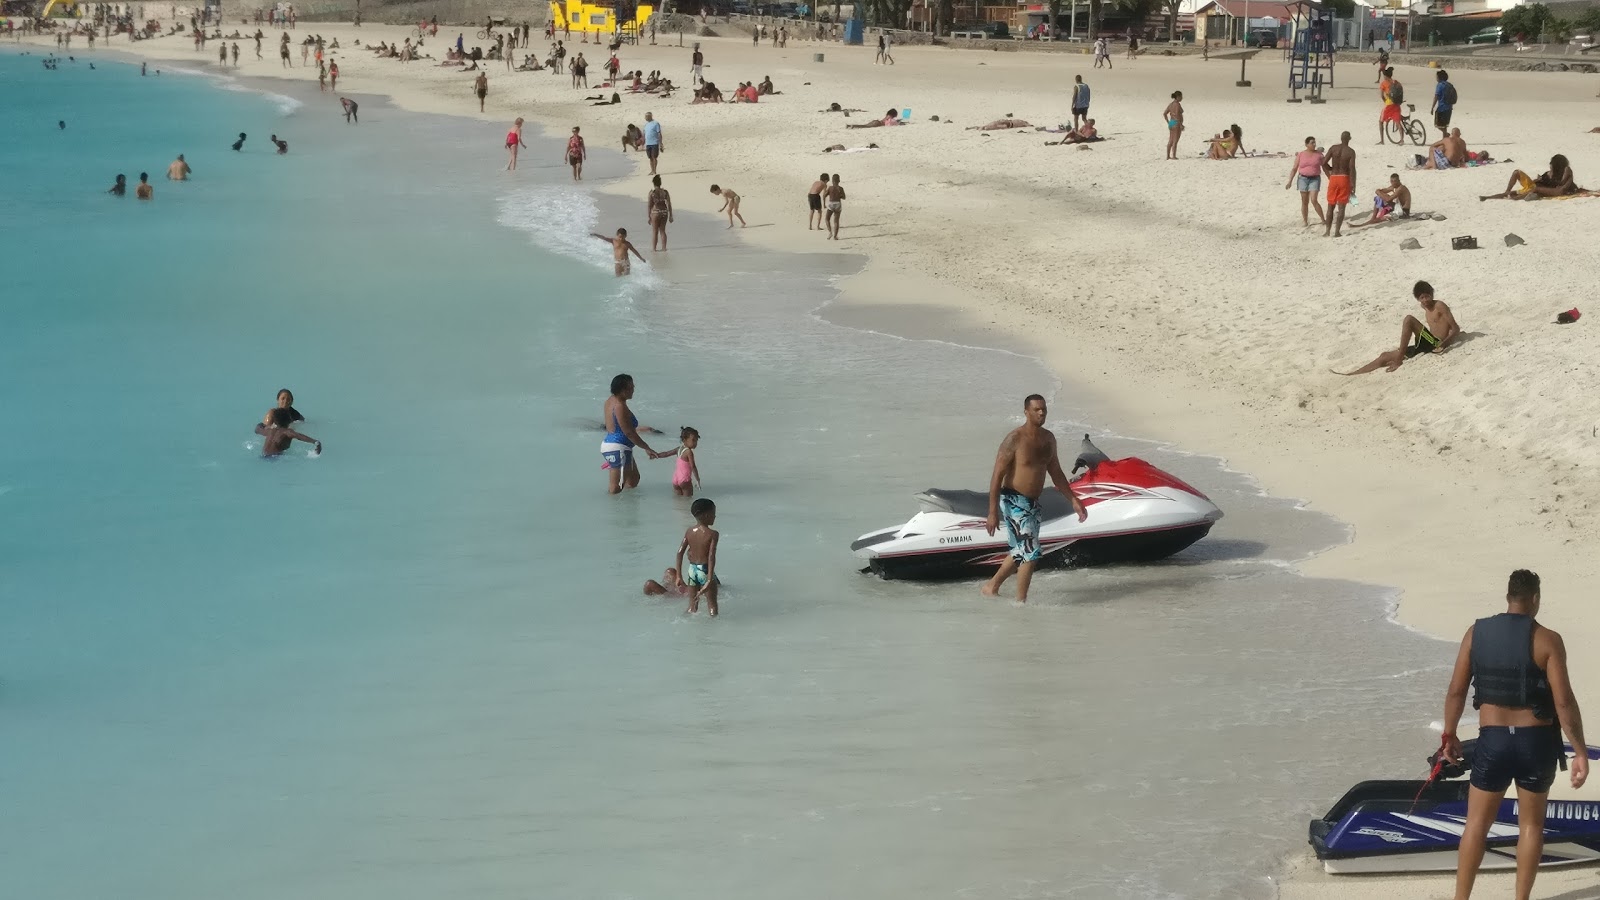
x=563, y=220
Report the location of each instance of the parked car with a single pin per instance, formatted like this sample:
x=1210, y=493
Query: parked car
x=1491, y=35
x=1262, y=37
x=995, y=30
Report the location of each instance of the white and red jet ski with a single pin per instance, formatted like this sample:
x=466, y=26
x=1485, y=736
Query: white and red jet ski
x=1136, y=511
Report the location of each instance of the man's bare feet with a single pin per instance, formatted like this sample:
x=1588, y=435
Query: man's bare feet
x=989, y=590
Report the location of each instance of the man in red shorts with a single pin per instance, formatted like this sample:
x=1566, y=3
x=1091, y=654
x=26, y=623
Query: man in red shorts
x=1340, y=166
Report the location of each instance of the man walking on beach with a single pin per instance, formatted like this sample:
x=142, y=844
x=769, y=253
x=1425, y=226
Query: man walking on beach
x=481, y=88
x=695, y=63
x=1392, y=92
x=1444, y=101
x=652, y=140
x=1080, y=100
x=1340, y=166
x=1521, y=690
x=814, y=202
x=1026, y=455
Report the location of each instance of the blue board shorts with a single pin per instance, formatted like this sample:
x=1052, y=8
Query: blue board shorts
x=695, y=574
x=615, y=456
x=1021, y=517
x=1526, y=754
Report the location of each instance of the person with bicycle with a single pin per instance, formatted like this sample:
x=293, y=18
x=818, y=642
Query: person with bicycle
x=1393, y=93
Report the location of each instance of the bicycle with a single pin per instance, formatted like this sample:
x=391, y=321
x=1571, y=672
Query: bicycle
x=1407, y=127
x=485, y=34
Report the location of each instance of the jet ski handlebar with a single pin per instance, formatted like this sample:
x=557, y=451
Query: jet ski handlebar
x=1089, y=456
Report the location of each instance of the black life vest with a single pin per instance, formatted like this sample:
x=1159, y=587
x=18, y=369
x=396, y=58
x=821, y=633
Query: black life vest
x=1503, y=670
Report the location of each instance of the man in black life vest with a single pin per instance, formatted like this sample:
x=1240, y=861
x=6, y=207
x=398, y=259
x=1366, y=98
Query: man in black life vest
x=1524, y=699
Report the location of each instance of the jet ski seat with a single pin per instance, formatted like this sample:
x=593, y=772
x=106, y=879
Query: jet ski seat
x=1052, y=505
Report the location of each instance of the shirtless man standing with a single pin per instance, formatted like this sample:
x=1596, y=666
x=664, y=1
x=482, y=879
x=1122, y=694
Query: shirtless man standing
x=1340, y=166
x=1416, y=337
x=620, y=248
x=179, y=170
x=814, y=201
x=1026, y=455
x=658, y=212
x=833, y=202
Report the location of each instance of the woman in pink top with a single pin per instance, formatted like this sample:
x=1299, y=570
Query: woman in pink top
x=1307, y=172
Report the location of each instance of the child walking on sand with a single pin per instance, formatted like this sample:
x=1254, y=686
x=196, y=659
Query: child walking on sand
x=730, y=204
x=700, y=543
x=687, y=474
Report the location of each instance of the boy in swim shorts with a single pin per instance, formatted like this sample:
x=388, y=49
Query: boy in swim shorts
x=700, y=545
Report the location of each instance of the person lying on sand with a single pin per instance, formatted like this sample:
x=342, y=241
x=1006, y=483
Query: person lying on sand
x=707, y=93
x=1555, y=183
x=1416, y=337
x=840, y=148
x=1005, y=124
x=890, y=118
x=1449, y=152
x=1386, y=199
x=834, y=107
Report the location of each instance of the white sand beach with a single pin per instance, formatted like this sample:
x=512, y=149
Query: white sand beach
x=1183, y=294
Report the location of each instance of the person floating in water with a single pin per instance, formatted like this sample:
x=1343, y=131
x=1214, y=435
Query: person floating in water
x=700, y=545
x=283, y=146
x=670, y=583
x=62, y=125
x=276, y=433
x=239, y=144
x=120, y=189
x=620, y=248
x=144, y=191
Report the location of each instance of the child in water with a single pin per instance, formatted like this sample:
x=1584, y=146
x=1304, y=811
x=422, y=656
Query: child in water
x=700, y=544
x=687, y=473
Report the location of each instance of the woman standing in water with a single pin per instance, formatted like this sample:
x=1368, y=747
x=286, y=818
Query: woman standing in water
x=1174, y=117
x=622, y=435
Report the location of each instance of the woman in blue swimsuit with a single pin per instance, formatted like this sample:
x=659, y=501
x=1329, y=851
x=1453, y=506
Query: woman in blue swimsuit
x=622, y=435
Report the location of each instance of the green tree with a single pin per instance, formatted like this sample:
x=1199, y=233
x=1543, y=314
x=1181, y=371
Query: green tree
x=1530, y=19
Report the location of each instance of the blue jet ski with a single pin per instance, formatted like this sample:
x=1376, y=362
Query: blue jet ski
x=1415, y=826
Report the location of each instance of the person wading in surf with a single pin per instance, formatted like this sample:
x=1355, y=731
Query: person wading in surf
x=1026, y=455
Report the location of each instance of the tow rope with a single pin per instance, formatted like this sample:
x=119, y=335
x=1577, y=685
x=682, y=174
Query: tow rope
x=1439, y=762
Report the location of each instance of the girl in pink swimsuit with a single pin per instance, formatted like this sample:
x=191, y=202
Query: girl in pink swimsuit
x=687, y=474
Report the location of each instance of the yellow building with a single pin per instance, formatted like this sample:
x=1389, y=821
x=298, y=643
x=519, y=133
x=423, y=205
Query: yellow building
x=597, y=17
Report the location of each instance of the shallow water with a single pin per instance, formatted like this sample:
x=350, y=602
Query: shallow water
x=420, y=663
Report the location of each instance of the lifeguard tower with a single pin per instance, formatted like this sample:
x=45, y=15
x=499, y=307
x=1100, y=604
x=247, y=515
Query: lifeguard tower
x=601, y=16
x=1311, y=54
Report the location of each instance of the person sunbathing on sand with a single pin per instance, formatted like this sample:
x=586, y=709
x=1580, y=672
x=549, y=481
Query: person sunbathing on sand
x=1555, y=183
x=707, y=93
x=1416, y=337
x=1082, y=135
x=1005, y=124
x=1386, y=199
x=840, y=148
x=834, y=107
x=1226, y=145
x=891, y=117
x=1449, y=152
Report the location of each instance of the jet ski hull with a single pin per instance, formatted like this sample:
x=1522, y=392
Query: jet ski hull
x=1385, y=826
x=1136, y=513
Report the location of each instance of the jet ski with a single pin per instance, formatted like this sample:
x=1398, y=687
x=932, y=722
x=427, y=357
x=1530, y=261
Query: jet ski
x=1415, y=826
x=1137, y=513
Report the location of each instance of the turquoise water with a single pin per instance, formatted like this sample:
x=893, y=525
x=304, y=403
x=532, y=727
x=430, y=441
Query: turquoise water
x=420, y=664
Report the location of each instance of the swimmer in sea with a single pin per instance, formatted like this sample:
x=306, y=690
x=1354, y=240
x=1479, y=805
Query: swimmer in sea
x=700, y=545
x=120, y=189
x=620, y=248
x=276, y=433
x=179, y=170
x=670, y=583
x=283, y=146
x=144, y=191
x=286, y=402
x=239, y=144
